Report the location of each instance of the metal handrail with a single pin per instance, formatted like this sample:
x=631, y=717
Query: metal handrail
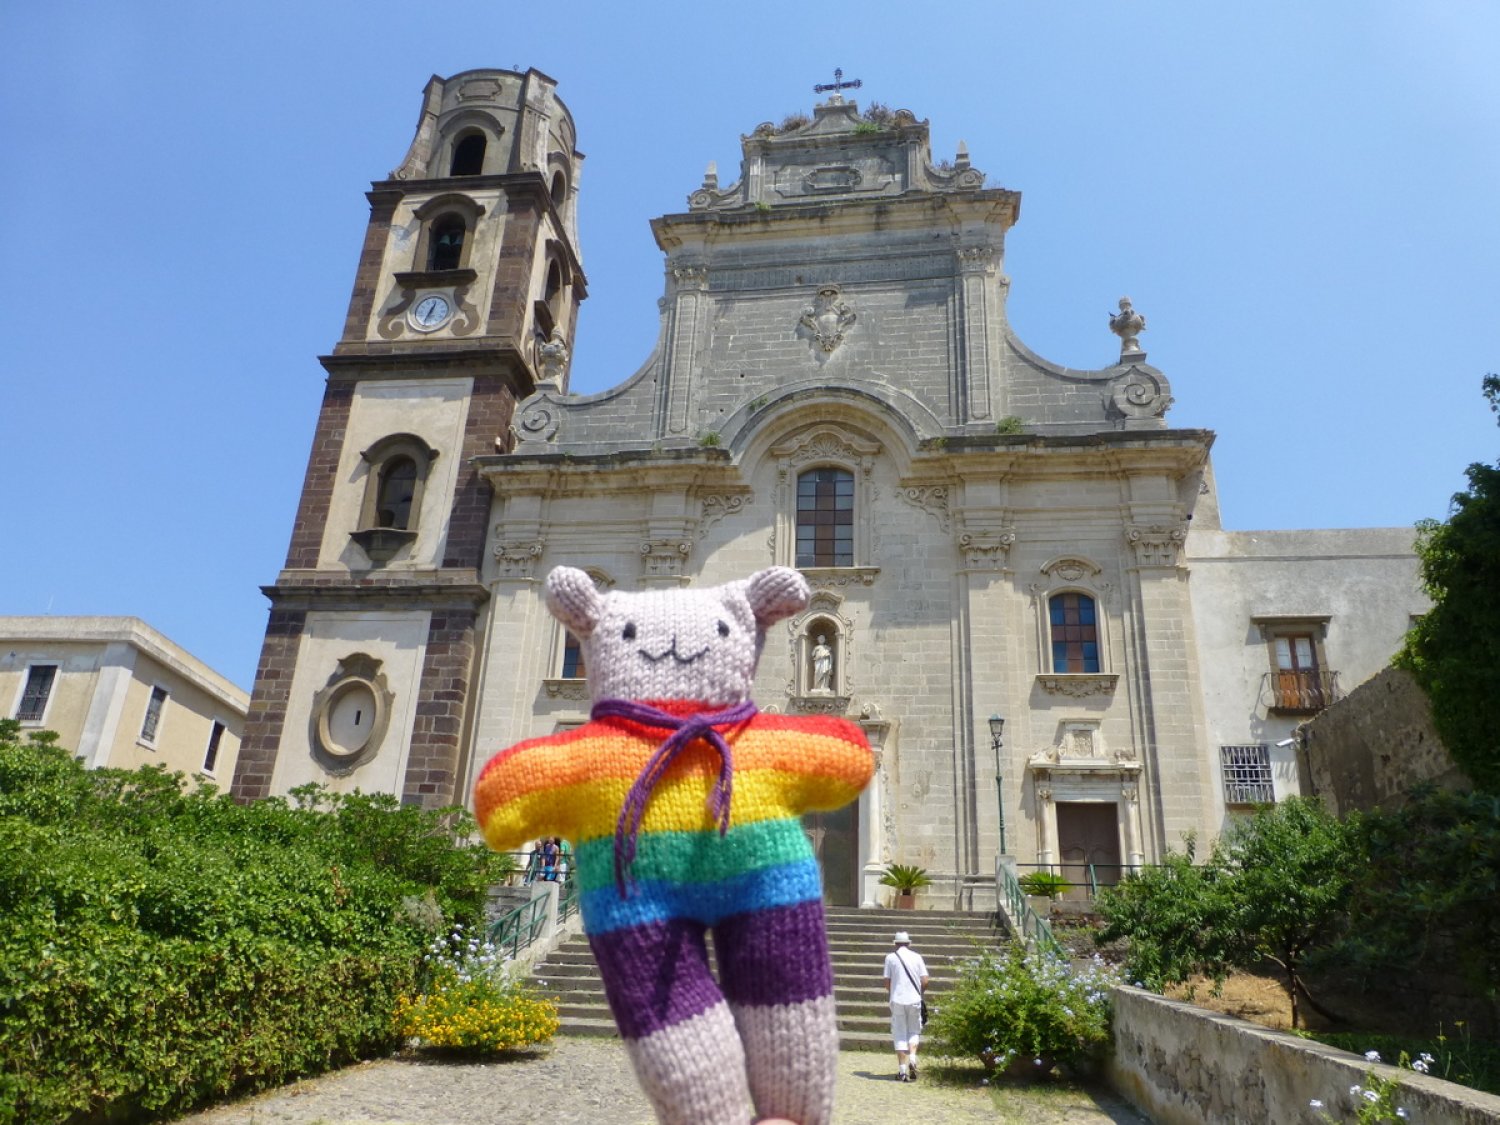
x=1034, y=929
x=518, y=928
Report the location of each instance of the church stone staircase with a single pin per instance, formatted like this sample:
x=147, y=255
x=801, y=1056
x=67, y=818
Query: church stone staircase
x=858, y=941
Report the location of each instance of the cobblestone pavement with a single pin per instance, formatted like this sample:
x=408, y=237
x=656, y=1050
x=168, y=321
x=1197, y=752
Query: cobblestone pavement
x=588, y=1082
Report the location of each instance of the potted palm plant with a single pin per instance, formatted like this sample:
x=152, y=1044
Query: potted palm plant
x=906, y=878
x=1043, y=888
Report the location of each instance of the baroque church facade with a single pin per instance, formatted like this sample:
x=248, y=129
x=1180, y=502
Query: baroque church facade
x=835, y=387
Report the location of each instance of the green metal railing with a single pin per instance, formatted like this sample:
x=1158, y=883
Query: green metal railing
x=517, y=929
x=1034, y=929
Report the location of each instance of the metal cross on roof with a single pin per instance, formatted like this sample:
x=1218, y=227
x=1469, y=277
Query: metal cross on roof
x=837, y=84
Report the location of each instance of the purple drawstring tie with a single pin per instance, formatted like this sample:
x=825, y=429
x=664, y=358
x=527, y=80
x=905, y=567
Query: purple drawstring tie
x=685, y=731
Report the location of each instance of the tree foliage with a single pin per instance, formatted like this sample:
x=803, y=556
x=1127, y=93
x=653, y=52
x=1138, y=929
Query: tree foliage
x=1274, y=888
x=1425, y=891
x=159, y=947
x=1454, y=650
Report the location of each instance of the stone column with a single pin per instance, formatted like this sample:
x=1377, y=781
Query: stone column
x=872, y=816
x=1167, y=682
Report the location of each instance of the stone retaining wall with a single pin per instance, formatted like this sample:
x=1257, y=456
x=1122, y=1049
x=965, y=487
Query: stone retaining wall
x=1369, y=748
x=1183, y=1065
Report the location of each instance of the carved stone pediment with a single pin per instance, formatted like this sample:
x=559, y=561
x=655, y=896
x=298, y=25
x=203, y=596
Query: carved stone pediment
x=1072, y=568
x=566, y=689
x=837, y=577
x=819, y=704
x=824, y=443
x=1078, y=685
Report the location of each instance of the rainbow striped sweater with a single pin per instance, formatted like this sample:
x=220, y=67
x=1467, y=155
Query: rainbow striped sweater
x=686, y=863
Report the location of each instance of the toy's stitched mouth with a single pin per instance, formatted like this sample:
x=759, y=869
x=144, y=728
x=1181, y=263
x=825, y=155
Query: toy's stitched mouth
x=657, y=658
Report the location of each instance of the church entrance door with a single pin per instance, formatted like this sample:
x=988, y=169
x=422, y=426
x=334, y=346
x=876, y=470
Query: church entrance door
x=1088, y=832
x=835, y=841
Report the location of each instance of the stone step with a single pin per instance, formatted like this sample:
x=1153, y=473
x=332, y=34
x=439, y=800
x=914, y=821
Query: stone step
x=853, y=962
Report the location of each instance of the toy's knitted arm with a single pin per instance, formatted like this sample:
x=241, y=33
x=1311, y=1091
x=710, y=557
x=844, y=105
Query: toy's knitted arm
x=835, y=764
x=521, y=793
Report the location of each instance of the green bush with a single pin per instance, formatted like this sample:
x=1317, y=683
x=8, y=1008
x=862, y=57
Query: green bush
x=159, y=948
x=1026, y=1010
x=1275, y=889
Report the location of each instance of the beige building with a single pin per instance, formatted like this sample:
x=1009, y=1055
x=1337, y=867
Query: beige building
x=836, y=387
x=120, y=694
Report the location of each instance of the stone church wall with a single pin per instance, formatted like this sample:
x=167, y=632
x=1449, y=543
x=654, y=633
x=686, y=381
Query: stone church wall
x=1371, y=747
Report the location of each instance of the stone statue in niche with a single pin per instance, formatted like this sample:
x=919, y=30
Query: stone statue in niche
x=822, y=667
x=1128, y=325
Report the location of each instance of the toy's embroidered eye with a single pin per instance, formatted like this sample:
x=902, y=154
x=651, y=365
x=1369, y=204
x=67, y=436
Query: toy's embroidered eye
x=723, y=629
x=629, y=633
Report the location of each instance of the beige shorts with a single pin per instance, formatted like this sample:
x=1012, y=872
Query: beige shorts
x=906, y=1025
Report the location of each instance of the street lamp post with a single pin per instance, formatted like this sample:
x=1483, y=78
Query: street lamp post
x=997, y=728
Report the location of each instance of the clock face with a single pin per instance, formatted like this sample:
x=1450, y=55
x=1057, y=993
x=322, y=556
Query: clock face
x=430, y=311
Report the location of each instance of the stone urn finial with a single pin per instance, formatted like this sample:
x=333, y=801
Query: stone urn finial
x=1127, y=324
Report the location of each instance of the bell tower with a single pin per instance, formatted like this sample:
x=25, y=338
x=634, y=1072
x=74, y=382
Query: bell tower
x=466, y=296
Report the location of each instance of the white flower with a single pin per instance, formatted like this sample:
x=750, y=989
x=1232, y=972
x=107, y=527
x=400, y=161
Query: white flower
x=1372, y=1056
x=1400, y=1113
x=1371, y=1096
x=1356, y=1091
x=1316, y=1103
x=1420, y=1066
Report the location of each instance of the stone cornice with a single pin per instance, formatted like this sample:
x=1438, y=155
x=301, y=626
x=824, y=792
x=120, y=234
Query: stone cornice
x=1110, y=453
x=311, y=590
x=825, y=218
x=623, y=471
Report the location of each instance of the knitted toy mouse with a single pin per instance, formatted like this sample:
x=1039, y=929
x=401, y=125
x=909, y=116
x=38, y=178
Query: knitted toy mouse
x=684, y=805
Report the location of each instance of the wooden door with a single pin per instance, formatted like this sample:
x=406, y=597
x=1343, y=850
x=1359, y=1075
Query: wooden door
x=835, y=841
x=1088, y=832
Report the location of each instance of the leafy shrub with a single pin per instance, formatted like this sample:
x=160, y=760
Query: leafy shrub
x=471, y=1004
x=161, y=948
x=1047, y=883
x=1025, y=1007
x=1274, y=888
x=1010, y=424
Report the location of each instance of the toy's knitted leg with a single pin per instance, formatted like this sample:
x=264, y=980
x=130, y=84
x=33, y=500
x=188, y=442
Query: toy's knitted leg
x=675, y=1023
x=777, y=977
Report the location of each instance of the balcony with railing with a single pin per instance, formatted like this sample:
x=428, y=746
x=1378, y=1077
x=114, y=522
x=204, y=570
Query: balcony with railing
x=1299, y=691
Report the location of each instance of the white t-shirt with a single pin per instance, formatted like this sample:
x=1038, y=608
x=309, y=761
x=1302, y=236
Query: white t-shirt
x=903, y=991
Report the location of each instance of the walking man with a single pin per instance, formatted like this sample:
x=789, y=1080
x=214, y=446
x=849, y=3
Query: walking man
x=905, y=980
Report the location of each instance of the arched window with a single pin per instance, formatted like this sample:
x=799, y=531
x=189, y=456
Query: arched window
x=1075, y=633
x=468, y=156
x=573, y=664
x=399, y=465
x=825, y=517
x=446, y=250
x=559, y=189
x=398, y=486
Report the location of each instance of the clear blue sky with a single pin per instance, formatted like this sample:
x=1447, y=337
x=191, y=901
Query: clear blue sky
x=1301, y=197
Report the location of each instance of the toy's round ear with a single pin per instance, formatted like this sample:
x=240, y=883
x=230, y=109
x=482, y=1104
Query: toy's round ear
x=574, y=600
x=776, y=592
